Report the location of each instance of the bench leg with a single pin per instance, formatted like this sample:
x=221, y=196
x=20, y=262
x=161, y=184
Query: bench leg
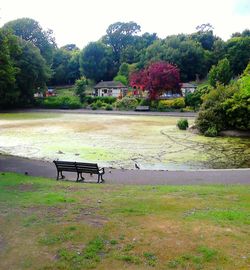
x=57, y=178
x=102, y=178
x=62, y=176
x=78, y=176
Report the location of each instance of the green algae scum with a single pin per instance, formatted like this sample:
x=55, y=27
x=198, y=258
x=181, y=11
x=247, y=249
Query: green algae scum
x=119, y=141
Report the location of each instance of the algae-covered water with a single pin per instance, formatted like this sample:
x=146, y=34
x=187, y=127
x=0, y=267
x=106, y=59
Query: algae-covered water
x=153, y=142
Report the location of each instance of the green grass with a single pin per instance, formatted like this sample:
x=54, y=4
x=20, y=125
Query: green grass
x=48, y=224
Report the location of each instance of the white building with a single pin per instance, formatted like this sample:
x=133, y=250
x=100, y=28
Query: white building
x=110, y=88
x=187, y=88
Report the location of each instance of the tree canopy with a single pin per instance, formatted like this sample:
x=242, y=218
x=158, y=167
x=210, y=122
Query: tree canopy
x=96, y=62
x=157, y=78
x=30, y=30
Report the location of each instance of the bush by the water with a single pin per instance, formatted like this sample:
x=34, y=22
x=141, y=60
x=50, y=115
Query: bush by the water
x=211, y=132
x=108, y=107
x=167, y=104
x=61, y=102
x=194, y=100
x=226, y=107
x=144, y=102
x=126, y=103
x=182, y=124
x=92, y=99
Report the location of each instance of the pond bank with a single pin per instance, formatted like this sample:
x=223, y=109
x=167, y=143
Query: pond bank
x=85, y=111
x=131, y=177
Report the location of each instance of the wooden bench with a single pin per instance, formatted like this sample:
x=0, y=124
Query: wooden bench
x=142, y=108
x=79, y=168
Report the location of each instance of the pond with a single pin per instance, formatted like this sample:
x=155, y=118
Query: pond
x=119, y=141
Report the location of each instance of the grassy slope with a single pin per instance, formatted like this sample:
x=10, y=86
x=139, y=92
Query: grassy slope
x=46, y=224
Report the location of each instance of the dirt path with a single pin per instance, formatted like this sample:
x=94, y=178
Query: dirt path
x=138, y=177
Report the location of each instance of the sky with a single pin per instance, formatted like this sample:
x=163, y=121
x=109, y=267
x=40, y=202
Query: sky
x=83, y=21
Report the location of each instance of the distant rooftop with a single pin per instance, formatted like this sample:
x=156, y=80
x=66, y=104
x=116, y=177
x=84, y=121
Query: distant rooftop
x=110, y=84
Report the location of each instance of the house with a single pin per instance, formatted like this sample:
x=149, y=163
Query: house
x=110, y=88
x=187, y=88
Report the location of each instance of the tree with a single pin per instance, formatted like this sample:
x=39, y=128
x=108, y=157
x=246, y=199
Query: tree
x=221, y=73
x=60, y=63
x=80, y=88
x=180, y=50
x=33, y=72
x=30, y=30
x=121, y=78
x=73, y=67
x=96, y=62
x=119, y=36
x=238, y=53
x=157, y=78
x=70, y=47
x=8, y=92
x=245, y=33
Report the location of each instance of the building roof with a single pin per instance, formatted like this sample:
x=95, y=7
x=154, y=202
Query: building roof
x=188, y=85
x=109, y=84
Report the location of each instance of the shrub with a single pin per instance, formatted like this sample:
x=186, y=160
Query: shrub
x=98, y=104
x=226, y=107
x=122, y=79
x=94, y=107
x=154, y=104
x=126, y=103
x=182, y=124
x=91, y=99
x=80, y=88
x=145, y=102
x=61, y=102
x=211, y=132
x=176, y=103
x=108, y=107
x=195, y=99
x=211, y=117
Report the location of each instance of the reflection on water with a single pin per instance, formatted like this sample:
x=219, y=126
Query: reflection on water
x=117, y=141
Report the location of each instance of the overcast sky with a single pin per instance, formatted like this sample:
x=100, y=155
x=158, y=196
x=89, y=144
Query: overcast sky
x=82, y=21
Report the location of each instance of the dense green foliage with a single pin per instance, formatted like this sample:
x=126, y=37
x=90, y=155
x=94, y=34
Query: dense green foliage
x=30, y=30
x=8, y=93
x=194, y=100
x=92, y=99
x=96, y=62
x=30, y=59
x=23, y=71
x=182, y=124
x=80, y=88
x=221, y=73
x=61, y=102
x=126, y=103
x=226, y=107
x=121, y=78
x=165, y=105
x=66, y=67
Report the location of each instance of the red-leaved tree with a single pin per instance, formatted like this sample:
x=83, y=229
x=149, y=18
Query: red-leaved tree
x=157, y=78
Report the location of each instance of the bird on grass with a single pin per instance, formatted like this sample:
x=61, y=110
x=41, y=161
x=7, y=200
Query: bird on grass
x=137, y=167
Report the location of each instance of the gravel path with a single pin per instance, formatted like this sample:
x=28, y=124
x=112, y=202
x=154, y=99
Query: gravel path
x=138, y=177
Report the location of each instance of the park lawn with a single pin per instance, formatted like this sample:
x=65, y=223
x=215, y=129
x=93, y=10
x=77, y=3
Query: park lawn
x=48, y=224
